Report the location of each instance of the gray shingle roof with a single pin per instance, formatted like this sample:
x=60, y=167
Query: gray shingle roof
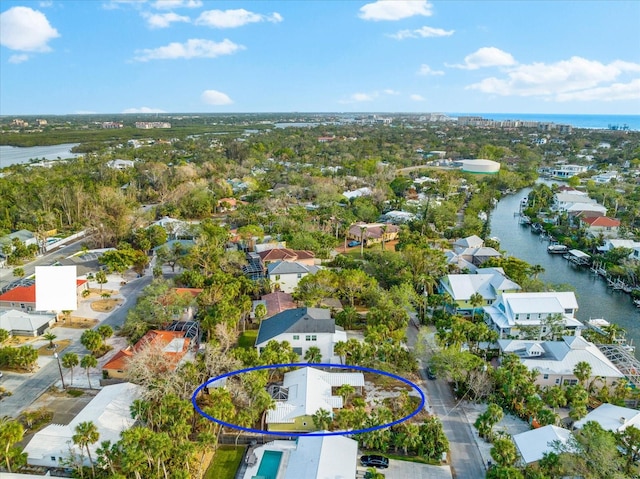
x=299, y=320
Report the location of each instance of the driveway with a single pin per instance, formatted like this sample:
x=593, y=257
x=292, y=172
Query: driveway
x=405, y=469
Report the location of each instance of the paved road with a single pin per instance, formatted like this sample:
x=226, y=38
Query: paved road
x=466, y=461
x=24, y=394
x=6, y=274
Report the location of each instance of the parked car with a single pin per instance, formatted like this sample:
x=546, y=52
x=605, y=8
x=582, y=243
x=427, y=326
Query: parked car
x=431, y=373
x=351, y=244
x=373, y=460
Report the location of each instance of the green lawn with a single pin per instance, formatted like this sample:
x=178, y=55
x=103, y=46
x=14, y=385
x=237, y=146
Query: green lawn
x=225, y=462
x=248, y=339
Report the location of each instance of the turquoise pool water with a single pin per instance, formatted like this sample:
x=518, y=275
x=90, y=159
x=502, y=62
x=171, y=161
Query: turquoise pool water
x=269, y=464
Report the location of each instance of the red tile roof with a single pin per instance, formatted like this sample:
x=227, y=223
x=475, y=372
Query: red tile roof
x=285, y=254
x=27, y=294
x=156, y=338
x=602, y=221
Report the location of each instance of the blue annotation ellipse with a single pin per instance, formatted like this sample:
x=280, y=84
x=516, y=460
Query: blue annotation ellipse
x=313, y=365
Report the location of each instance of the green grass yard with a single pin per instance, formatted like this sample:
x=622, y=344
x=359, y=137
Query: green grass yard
x=225, y=462
x=248, y=339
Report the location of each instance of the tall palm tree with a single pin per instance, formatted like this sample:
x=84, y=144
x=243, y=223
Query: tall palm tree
x=363, y=230
x=86, y=434
x=70, y=361
x=88, y=361
x=582, y=371
x=322, y=419
x=476, y=300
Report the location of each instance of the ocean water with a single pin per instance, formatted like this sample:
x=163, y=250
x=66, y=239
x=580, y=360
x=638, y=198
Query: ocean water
x=577, y=121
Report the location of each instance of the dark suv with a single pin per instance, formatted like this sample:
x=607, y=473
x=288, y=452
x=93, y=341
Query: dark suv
x=373, y=460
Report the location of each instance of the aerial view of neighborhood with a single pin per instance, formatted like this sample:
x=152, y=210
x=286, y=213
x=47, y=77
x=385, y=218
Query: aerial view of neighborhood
x=363, y=286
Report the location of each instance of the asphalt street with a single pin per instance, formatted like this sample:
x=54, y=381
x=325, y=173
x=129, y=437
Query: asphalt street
x=466, y=460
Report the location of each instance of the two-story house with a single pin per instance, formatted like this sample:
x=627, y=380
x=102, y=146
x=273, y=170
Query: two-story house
x=490, y=283
x=515, y=313
x=303, y=328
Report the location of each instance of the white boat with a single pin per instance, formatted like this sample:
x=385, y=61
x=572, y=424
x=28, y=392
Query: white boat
x=557, y=249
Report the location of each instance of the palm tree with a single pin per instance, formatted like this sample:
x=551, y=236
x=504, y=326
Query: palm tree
x=313, y=355
x=11, y=432
x=476, y=300
x=50, y=337
x=346, y=390
x=535, y=270
x=363, y=230
x=88, y=361
x=582, y=371
x=70, y=361
x=86, y=434
x=101, y=278
x=322, y=419
x=383, y=229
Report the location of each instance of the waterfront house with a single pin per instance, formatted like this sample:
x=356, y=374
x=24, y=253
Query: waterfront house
x=524, y=314
x=315, y=457
x=303, y=393
x=109, y=411
x=567, y=171
x=601, y=225
x=490, y=284
x=576, y=202
x=613, y=243
x=285, y=275
x=303, y=328
x=555, y=361
x=173, y=346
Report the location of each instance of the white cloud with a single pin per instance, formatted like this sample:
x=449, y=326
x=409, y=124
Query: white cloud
x=25, y=29
x=143, y=109
x=416, y=97
x=395, y=9
x=486, y=57
x=45, y=4
x=193, y=48
x=576, y=79
x=426, y=70
x=389, y=91
x=171, y=4
x=424, y=32
x=215, y=97
x=234, y=18
x=18, y=58
x=163, y=20
x=113, y=4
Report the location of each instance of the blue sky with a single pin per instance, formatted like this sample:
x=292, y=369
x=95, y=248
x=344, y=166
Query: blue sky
x=128, y=56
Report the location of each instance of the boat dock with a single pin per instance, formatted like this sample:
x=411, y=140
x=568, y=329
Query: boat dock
x=577, y=257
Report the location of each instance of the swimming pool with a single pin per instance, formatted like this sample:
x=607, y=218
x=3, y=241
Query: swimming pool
x=269, y=464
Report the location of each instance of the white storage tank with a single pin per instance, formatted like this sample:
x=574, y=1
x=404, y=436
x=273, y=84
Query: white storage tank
x=486, y=167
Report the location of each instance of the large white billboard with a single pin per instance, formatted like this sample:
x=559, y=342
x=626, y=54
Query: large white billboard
x=56, y=288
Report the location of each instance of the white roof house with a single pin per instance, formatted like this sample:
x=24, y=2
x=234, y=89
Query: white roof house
x=309, y=390
x=316, y=457
x=531, y=309
x=108, y=410
x=556, y=360
x=532, y=445
x=611, y=417
x=21, y=323
x=365, y=191
x=490, y=284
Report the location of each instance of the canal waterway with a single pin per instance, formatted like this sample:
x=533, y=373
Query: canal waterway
x=11, y=155
x=595, y=298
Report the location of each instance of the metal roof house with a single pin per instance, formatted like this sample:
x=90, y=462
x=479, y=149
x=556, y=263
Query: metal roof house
x=303, y=328
x=308, y=390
